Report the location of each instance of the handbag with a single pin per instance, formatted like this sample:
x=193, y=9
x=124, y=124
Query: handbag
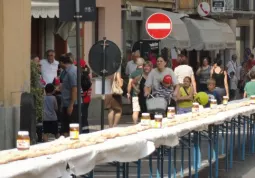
x=156, y=104
x=116, y=86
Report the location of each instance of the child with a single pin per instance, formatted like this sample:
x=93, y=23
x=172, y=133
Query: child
x=185, y=97
x=211, y=84
x=165, y=89
x=249, y=88
x=50, y=120
x=233, y=85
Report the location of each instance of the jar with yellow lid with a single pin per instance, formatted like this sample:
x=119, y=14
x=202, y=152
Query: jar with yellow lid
x=23, y=140
x=74, y=131
x=252, y=98
x=170, y=112
x=145, y=119
x=213, y=103
x=225, y=100
x=158, y=121
x=195, y=107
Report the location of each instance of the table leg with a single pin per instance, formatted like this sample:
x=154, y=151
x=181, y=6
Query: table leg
x=169, y=162
x=162, y=161
x=226, y=148
x=189, y=155
x=210, y=150
x=175, y=169
x=150, y=166
x=244, y=140
x=231, y=145
x=182, y=160
x=239, y=138
x=158, y=163
x=216, y=149
x=139, y=168
x=118, y=170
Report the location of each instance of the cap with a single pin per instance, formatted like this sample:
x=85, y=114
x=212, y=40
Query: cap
x=167, y=79
x=82, y=63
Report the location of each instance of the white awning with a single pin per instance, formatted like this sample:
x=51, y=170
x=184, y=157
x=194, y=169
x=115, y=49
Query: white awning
x=44, y=9
x=204, y=34
x=229, y=36
x=179, y=37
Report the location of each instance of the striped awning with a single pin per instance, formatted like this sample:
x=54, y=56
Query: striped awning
x=45, y=9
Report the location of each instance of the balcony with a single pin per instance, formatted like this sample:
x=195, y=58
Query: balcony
x=169, y=4
x=190, y=6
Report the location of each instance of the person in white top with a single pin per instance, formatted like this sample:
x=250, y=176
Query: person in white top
x=131, y=65
x=184, y=70
x=232, y=66
x=49, y=67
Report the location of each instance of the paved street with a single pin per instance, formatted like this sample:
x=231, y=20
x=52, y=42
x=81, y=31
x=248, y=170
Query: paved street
x=241, y=169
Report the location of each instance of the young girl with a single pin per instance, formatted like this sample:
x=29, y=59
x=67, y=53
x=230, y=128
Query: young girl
x=185, y=97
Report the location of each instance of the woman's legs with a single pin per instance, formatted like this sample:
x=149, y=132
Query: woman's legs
x=110, y=118
x=117, y=117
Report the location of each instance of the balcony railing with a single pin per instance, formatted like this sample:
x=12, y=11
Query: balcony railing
x=231, y=5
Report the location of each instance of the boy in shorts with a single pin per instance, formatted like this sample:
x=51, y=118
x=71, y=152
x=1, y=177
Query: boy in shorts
x=50, y=119
x=211, y=84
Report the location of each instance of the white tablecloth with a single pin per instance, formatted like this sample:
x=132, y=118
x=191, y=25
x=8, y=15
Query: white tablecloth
x=122, y=149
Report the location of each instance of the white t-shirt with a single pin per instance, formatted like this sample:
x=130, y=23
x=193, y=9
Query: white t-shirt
x=183, y=71
x=49, y=70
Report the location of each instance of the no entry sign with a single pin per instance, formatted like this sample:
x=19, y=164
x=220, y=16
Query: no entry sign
x=158, y=26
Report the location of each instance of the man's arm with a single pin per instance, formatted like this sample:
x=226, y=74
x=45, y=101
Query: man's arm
x=73, y=83
x=194, y=84
x=129, y=87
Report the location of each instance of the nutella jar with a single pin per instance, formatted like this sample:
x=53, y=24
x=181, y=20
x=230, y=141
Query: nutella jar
x=170, y=112
x=145, y=119
x=252, y=98
x=213, y=103
x=74, y=131
x=23, y=140
x=225, y=100
x=158, y=121
x=195, y=107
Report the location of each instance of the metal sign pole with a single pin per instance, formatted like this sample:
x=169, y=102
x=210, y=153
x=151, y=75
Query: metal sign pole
x=77, y=18
x=103, y=83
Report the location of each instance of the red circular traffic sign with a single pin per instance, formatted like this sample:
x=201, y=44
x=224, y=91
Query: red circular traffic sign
x=158, y=26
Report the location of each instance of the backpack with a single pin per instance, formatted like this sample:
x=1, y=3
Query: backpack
x=85, y=81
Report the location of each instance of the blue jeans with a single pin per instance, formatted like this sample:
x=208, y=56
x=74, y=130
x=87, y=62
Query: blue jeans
x=183, y=110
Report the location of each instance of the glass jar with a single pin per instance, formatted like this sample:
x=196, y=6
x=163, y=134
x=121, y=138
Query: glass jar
x=74, y=131
x=158, y=121
x=252, y=98
x=170, y=112
x=225, y=100
x=145, y=119
x=195, y=107
x=213, y=103
x=23, y=140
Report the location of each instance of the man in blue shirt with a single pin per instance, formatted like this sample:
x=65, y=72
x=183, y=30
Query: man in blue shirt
x=211, y=83
x=68, y=94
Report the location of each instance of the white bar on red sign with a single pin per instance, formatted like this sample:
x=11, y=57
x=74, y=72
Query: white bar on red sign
x=159, y=25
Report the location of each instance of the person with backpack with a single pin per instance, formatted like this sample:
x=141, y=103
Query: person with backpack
x=86, y=93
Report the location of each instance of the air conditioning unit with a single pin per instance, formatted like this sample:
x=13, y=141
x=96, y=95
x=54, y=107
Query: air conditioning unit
x=135, y=13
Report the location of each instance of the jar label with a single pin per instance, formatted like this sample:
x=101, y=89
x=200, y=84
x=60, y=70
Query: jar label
x=225, y=102
x=195, y=109
x=23, y=144
x=213, y=106
x=145, y=122
x=74, y=134
x=252, y=101
x=158, y=124
x=170, y=115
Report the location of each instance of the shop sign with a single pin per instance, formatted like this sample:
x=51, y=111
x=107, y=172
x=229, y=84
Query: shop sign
x=218, y=5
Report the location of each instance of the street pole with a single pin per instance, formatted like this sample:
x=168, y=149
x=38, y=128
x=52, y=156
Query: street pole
x=77, y=19
x=103, y=84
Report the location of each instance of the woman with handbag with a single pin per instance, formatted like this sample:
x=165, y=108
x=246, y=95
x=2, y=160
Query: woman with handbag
x=113, y=102
x=154, y=80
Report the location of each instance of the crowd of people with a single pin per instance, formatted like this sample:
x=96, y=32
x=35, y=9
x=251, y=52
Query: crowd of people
x=177, y=85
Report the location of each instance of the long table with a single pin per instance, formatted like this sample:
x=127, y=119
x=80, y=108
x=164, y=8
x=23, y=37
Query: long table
x=122, y=149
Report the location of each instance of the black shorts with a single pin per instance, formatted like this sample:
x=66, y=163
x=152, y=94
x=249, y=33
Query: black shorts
x=66, y=119
x=50, y=127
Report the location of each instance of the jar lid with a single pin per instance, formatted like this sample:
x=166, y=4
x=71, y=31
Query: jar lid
x=145, y=114
x=252, y=96
x=158, y=116
x=214, y=100
x=225, y=97
x=25, y=133
x=74, y=125
x=171, y=108
x=195, y=103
